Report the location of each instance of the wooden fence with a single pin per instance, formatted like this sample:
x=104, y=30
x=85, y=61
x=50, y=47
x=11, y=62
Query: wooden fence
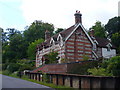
x=78, y=81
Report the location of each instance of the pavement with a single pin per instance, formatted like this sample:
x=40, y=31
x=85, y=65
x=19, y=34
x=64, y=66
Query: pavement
x=10, y=83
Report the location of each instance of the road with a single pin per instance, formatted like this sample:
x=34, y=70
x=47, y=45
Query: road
x=10, y=82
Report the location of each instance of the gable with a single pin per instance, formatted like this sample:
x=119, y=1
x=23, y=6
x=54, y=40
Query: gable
x=83, y=29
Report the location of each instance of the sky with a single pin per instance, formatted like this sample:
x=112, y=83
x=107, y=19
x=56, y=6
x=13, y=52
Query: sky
x=21, y=13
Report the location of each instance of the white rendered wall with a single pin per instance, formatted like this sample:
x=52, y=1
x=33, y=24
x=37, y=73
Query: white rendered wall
x=108, y=54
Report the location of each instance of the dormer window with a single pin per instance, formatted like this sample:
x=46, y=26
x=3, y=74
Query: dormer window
x=108, y=46
x=52, y=42
x=59, y=39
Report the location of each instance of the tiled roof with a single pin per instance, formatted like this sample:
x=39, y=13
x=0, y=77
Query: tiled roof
x=103, y=42
x=63, y=33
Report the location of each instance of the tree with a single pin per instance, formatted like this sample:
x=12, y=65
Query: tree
x=116, y=41
x=14, y=48
x=99, y=30
x=32, y=48
x=52, y=57
x=37, y=30
x=59, y=30
x=113, y=26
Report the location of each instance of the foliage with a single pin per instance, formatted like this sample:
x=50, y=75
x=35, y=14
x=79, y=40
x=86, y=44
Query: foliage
x=52, y=57
x=113, y=26
x=14, y=48
x=12, y=67
x=108, y=67
x=45, y=78
x=6, y=72
x=113, y=66
x=116, y=40
x=32, y=48
x=99, y=72
x=37, y=30
x=59, y=30
x=85, y=58
x=99, y=30
x=82, y=68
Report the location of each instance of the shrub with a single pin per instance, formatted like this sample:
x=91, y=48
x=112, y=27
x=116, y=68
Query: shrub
x=99, y=72
x=45, y=78
x=12, y=67
x=81, y=68
x=6, y=72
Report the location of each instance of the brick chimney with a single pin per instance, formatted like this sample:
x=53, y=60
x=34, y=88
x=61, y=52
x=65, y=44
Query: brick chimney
x=78, y=18
x=91, y=33
x=47, y=35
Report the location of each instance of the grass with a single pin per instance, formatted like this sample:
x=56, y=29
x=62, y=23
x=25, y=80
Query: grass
x=58, y=87
x=0, y=72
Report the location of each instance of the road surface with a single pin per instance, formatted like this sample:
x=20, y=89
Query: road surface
x=10, y=82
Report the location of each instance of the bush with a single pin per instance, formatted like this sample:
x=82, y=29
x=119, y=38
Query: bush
x=12, y=67
x=108, y=67
x=81, y=68
x=114, y=66
x=6, y=72
x=99, y=72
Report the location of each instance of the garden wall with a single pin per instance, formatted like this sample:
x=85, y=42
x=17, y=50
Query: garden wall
x=78, y=81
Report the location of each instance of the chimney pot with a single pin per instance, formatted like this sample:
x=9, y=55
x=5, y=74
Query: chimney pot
x=78, y=18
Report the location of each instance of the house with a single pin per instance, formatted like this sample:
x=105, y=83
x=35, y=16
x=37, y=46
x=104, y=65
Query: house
x=74, y=44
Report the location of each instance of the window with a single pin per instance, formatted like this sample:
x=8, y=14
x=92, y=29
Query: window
x=108, y=48
x=94, y=46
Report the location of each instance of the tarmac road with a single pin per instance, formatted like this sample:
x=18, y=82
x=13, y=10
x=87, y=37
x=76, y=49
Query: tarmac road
x=10, y=82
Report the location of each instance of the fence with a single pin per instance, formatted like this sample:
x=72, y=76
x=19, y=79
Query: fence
x=78, y=81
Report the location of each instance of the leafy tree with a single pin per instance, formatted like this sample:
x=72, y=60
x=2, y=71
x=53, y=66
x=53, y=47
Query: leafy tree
x=52, y=57
x=14, y=48
x=99, y=30
x=32, y=48
x=113, y=26
x=58, y=30
x=116, y=41
x=37, y=30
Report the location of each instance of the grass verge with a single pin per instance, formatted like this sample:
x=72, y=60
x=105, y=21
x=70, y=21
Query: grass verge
x=0, y=72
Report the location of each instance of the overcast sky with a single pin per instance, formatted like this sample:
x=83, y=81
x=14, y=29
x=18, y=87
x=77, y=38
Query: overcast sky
x=20, y=13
